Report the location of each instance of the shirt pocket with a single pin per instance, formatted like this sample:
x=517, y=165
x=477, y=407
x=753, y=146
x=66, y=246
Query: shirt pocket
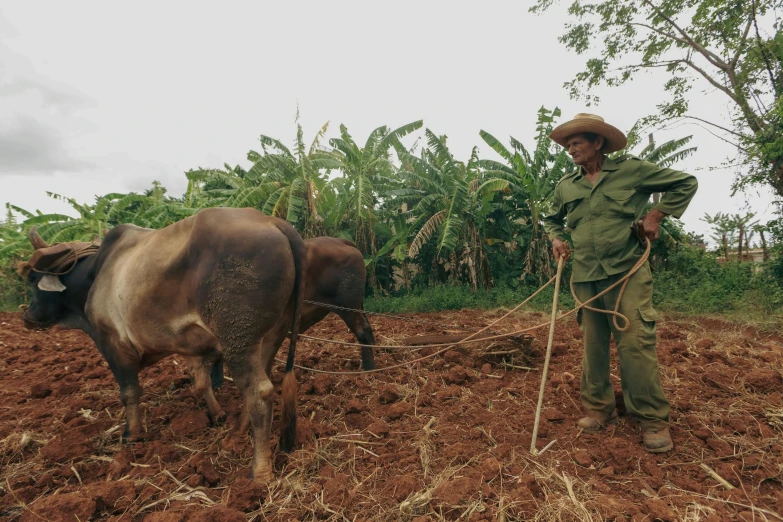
x=576, y=209
x=619, y=202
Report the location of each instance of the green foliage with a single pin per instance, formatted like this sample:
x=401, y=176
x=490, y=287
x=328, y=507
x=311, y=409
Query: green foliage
x=694, y=282
x=733, y=48
x=454, y=297
x=532, y=178
x=433, y=229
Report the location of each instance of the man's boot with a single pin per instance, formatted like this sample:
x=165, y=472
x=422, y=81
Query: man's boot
x=597, y=420
x=657, y=439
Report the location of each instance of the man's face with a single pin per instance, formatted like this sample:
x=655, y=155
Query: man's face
x=582, y=151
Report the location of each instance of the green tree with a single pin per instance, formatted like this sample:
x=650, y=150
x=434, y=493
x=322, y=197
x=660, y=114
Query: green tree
x=734, y=48
x=743, y=226
x=723, y=231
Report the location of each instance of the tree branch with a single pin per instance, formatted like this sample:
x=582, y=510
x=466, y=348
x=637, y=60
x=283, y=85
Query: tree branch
x=740, y=45
x=713, y=58
x=662, y=33
x=739, y=135
x=664, y=63
x=778, y=90
x=737, y=145
x=713, y=81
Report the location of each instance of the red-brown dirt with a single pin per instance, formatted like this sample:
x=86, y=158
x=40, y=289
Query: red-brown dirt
x=446, y=439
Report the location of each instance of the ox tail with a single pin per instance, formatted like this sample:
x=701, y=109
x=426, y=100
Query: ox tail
x=288, y=434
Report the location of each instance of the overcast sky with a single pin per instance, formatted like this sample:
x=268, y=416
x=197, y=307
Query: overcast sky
x=99, y=97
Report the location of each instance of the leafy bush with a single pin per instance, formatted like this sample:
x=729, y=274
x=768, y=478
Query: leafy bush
x=455, y=297
x=693, y=283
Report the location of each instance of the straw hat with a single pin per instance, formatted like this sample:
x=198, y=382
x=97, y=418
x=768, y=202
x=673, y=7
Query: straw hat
x=615, y=139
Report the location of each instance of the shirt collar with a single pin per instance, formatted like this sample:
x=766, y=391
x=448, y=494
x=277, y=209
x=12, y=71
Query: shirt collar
x=609, y=166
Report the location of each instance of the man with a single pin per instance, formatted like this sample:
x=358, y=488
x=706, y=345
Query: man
x=598, y=202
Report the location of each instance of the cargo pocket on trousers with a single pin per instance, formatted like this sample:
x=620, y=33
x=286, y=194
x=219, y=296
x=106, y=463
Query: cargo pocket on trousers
x=646, y=332
x=579, y=316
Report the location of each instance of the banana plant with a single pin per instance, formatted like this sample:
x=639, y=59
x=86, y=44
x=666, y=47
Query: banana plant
x=367, y=174
x=291, y=181
x=451, y=212
x=532, y=178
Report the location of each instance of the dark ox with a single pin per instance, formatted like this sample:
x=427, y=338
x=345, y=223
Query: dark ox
x=223, y=284
x=335, y=276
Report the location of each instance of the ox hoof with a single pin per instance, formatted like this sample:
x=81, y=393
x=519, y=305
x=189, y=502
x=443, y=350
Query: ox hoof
x=219, y=419
x=127, y=438
x=232, y=444
x=262, y=478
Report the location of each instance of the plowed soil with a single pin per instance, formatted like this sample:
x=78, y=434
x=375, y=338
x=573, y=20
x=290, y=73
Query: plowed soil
x=448, y=438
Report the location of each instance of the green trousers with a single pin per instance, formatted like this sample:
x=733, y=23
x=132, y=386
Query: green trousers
x=636, y=348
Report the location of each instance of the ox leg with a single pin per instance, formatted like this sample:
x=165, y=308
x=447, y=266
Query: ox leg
x=130, y=395
x=237, y=436
x=361, y=328
x=238, y=433
x=200, y=369
x=257, y=392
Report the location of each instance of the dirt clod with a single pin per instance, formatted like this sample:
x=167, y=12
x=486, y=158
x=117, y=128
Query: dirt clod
x=189, y=423
x=354, y=406
x=111, y=497
x=336, y=490
x=764, y=380
x=398, y=410
x=454, y=493
x=40, y=390
x=60, y=508
x=388, y=395
x=246, y=495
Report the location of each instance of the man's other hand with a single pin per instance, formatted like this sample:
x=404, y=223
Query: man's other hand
x=560, y=248
x=652, y=224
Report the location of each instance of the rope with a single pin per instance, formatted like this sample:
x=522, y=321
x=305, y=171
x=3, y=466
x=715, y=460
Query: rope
x=615, y=313
x=399, y=317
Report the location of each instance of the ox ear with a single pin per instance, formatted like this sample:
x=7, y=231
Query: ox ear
x=51, y=283
x=23, y=268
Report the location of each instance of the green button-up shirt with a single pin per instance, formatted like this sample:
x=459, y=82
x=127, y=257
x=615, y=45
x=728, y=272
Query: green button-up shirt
x=599, y=216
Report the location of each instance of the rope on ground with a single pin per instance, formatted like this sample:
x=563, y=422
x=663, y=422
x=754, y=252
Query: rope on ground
x=615, y=313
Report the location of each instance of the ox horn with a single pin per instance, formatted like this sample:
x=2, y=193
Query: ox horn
x=36, y=239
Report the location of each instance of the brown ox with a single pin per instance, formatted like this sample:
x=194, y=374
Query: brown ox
x=225, y=283
x=335, y=276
